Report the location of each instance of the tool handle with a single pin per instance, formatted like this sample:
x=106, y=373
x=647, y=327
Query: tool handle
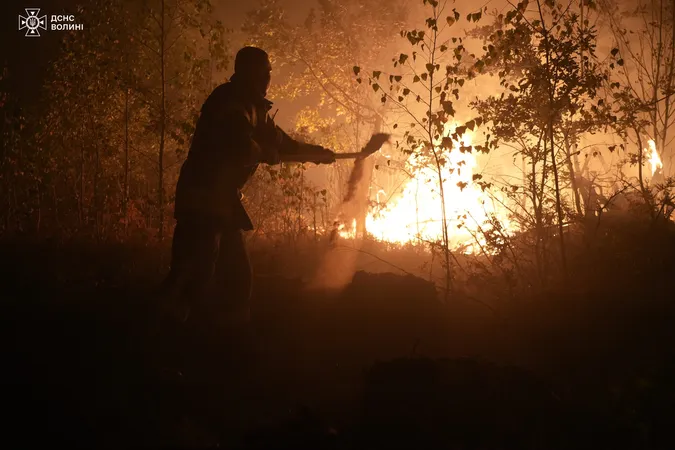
x=348, y=155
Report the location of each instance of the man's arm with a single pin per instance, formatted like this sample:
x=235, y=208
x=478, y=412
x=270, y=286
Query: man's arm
x=280, y=147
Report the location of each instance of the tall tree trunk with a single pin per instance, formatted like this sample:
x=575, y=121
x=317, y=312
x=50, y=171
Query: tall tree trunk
x=126, y=163
x=97, y=205
x=573, y=177
x=81, y=196
x=162, y=129
x=39, y=207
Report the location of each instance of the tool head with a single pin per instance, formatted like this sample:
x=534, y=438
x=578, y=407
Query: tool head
x=374, y=144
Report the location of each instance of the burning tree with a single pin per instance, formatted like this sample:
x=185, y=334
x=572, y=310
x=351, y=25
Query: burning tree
x=423, y=87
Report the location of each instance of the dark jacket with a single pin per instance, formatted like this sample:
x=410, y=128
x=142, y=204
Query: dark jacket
x=233, y=126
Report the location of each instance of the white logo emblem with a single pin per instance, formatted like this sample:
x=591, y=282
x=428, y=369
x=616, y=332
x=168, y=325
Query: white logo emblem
x=33, y=22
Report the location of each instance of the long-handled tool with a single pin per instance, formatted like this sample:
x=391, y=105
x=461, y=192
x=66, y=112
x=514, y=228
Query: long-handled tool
x=373, y=145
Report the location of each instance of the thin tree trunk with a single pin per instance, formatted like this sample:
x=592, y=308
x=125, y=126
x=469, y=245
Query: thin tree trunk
x=162, y=125
x=39, y=208
x=81, y=197
x=573, y=178
x=97, y=205
x=126, y=163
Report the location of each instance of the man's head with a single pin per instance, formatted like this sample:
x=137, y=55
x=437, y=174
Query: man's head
x=252, y=67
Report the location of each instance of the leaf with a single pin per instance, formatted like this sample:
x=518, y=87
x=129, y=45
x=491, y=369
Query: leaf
x=356, y=70
x=402, y=58
x=376, y=87
x=477, y=176
x=376, y=74
x=447, y=142
x=406, y=91
x=471, y=124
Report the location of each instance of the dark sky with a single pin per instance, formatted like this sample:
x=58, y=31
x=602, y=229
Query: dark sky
x=27, y=58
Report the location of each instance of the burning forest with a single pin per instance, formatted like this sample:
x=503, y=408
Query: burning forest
x=339, y=223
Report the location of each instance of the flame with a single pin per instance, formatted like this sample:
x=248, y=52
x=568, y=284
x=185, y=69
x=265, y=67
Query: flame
x=417, y=214
x=654, y=158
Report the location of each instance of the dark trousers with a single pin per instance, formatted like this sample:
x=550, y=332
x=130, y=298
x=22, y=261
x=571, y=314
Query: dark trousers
x=209, y=264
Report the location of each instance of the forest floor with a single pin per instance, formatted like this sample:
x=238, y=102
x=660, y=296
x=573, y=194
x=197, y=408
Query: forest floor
x=383, y=364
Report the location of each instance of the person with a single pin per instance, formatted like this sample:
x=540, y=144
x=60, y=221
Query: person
x=234, y=134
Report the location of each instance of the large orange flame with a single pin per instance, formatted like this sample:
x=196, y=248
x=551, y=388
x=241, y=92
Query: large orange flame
x=416, y=213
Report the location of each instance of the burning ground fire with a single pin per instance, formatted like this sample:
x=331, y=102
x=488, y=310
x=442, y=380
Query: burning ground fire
x=415, y=214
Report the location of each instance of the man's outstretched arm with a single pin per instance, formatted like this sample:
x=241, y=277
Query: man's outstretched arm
x=280, y=147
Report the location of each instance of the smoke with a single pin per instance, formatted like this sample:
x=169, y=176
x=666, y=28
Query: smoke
x=338, y=265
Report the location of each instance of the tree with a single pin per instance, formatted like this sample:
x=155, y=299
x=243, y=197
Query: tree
x=181, y=47
x=113, y=97
x=544, y=58
x=424, y=85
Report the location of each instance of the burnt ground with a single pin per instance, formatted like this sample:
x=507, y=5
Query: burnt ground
x=381, y=365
